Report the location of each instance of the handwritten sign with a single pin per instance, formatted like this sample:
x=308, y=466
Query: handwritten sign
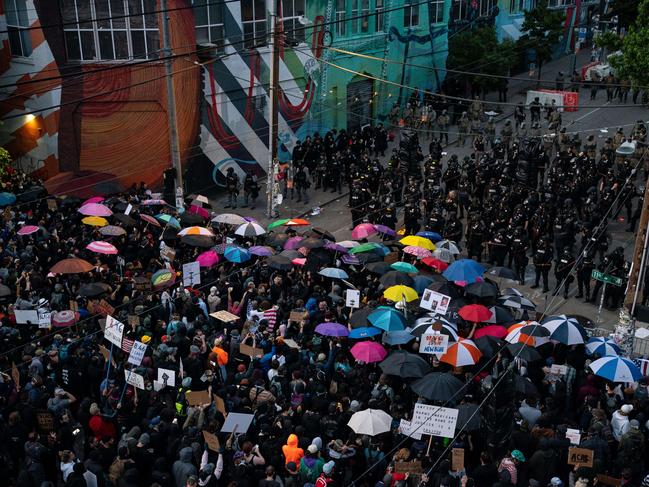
x=133, y=321
x=191, y=274
x=45, y=421
x=573, y=435
x=290, y=343
x=104, y=308
x=580, y=456
x=141, y=284
x=225, y=316
x=44, y=319
x=412, y=468
x=26, y=316
x=106, y=354
x=607, y=480
x=298, y=316
x=237, y=421
x=558, y=369
x=136, y=380
x=250, y=351
x=52, y=205
x=167, y=377
x=434, y=420
x=198, y=398
x=433, y=343
x=114, y=331
x=435, y=302
x=457, y=459
x=212, y=441
x=407, y=429
x=353, y=298
x=136, y=355
x=167, y=254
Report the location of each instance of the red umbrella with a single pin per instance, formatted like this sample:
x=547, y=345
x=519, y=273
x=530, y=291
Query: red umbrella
x=496, y=331
x=71, y=266
x=475, y=312
x=197, y=210
x=435, y=263
x=149, y=219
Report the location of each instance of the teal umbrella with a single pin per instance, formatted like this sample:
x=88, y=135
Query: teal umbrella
x=388, y=319
x=405, y=267
x=169, y=220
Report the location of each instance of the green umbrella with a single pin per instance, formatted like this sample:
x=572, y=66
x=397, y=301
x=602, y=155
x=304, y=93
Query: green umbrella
x=278, y=223
x=404, y=267
x=366, y=247
x=169, y=220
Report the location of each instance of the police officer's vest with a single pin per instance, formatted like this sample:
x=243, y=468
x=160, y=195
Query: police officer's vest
x=181, y=402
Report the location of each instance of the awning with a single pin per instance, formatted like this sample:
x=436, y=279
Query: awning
x=511, y=31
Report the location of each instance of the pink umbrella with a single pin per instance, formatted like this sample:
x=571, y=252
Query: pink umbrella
x=496, y=331
x=208, y=258
x=298, y=261
x=197, y=210
x=293, y=243
x=64, y=318
x=95, y=209
x=417, y=251
x=94, y=199
x=149, y=219
x=369, y=352
x=102, y=247
x=28, y=230
x=363, y=230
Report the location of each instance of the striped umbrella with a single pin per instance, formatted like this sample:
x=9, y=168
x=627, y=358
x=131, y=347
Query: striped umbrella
x=514, y=334
x=297, y=222
x=163, y=278
x=462, y=353
x=250, y=229
x=28, y=230
x=616, y=369
x=417, y=251
x=196, y=231
x=516, y=302
x=149, y=219
x=565, y=330
x=95, y=209
x=430, y=327
x=602, y=346
x=101, y=247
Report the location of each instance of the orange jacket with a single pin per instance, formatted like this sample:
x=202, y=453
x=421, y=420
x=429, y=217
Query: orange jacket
x=222, y=355
x=291, y=451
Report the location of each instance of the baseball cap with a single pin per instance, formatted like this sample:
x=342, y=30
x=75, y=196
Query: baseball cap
x=626, y=408
x=312, y=449
x=518, y=455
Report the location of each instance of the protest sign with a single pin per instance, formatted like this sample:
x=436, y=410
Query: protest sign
x=212, y=441
x=434, y=420
x=137, y=353
x=198, y=398
x=24, y=316
x=45, y=421
x=436, y=302
x=298, y=316
x=44, y=319
x=250, y=351
x=411, y=468
x=239, y=421
x=15, y=375
x=225, y=316
x=104, y=308
x=407, y=429
x=457, y=459
x=433, y=343
x=167, y=377
x=573, y=435
x=580, y=456
x=353, y=298
x=220, y=404
x=191, y=274
x=608, y=480
x=133, y=321
x=136, y=380
x=290, y=343
x=558, y=369
x=113, y=331
x=52, y=205
x=141, y=284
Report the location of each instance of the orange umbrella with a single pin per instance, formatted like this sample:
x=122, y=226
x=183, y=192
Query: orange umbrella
x=296, y=222
x=462, y=353
x=71, y=266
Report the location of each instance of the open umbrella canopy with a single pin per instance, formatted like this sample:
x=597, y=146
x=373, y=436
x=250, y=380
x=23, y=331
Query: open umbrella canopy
x=250, y=229
x=149, y=219
x=333, y=273
x=94, y=221
x=399, y=293
x=462, y=353
x=28, y=230
x=448, y=245
x=163, y=278
x=7, y=199
x=421, y=282
x=475, y=312
x=196, y=231
x=124, y=219
x=277, y=223
x=92, y=289
x=464, y=270
x=368, y=352
x=444, y=255
x=297, y=222
x=198, y=210
x=236, y=254
x=432, y=236
x=496, y=331
x=565, y=330
x=616, y=369
x=154, y=202
x=416, y=241
x=293, y=243
x=280, y=262
x=366, y=247
x=169, y=220
x=370, y=422
x=364, y=332
x=481, y=289
x=520, y=350
x=208, y=258
x=388, y=319
x=394, y=278
x=363, y=230
x=95, y=209
x=435, y=263
x=229, y=219
x=71, y=266
x=203, y=241
x=516, y=302
x=358, y=319
x=524, y=385
x=400, y=337
x=489, y=345
x=261, y=250
x=437, y=386
x=602, y=346
x=500, y=315
x=404, y=267
x=331, y=329
x=405, y=364
x=385, y=230
x=417, y=252
x=322, y=233
x=112, y=231
x=503, y=273
x=101, y=247
x=447, y=288
x=64, y=318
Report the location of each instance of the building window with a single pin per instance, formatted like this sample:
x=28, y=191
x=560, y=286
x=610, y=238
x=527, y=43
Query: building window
x=460, y=10
x=110, y=29
x=20, y=43
x=292, y=10
x=340, y=18
x=379, y=22
x=436, y=11
x=411, y=14
x=516, y=6
x=354, y=15
x=365, y=16
x=486, y=7
x=208, y=17
x=253, y=16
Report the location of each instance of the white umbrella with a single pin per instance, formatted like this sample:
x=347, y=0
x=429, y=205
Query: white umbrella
x=444, y=255
x=250, y=229
x=448, y=245
x=229, y=219
x=370, y=422
x=565, y=330
x=517, y=302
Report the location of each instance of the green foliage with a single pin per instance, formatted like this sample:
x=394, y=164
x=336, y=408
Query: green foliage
x=609, y=40
x=626, y=11
x=543, y=29
x=5, y=161
x=633, y=64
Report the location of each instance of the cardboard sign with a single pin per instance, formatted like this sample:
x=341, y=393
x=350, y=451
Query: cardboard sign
x=191, y=274
x=212, y=441
x=106, y=353
x=136, y=380
x=607, y=480
x=580, y=456
x=52, y=205
x=225, y=316
x=141, y=284
x=44, y=319
x=237, y=421
x=198, y=398
x=558, y=369
x=104, y=308
x=435, y=302
x=290, y=343
x=250, y=351
x=434, y=420
x=168, y=254
x=574, y=436
x=128, y=209
x=167, y=377
x=133, y=321
x=457, y=459
x=26, y=316
x=433, y=343
x=220, y=404
x=15, y=375
x=353, y=298
x=45, y=421
x=137, y=353
x=114, y=331
x=65, y=377
x=298, y=316
x=412, y=468
x=408, y=429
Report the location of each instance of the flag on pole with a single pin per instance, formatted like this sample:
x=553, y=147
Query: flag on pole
x=644, y=366
x=127, y=344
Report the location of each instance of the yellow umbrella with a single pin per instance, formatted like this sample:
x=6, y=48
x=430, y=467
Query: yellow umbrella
x=416, y=241
x=400, y=292
x=95, y=221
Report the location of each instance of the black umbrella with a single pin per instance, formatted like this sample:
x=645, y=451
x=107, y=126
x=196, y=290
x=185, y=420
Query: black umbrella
x=468, y=417
x=279, y=262
x=31, y=193
x=358, y=319
x=489, y=345
x=500, y=315
x=291, y=254
x=124, y=219
x=312, y=243
x=481, y=289
x=318, y=257
x=93, y=289
x=203, y=241
x=379, y=268
x=524, y=351
x=367, y=257
x=535, y=331
x=503, y=273
x=437, y=386
x=191, y=219
x=322, y=233
x=70, y=201
x=445, y=288
x=525, y=386
x=395, y=278
x=277, y=239
x=405, y=364
x=169, y=233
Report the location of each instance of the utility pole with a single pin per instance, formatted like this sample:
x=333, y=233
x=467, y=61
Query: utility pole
x=272, y=106
x=625, y=330
x=171, y=104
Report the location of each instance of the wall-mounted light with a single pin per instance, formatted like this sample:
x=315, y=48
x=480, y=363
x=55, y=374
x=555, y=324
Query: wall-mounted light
x=30, y=117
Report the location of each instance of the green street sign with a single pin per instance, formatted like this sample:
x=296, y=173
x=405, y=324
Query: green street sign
x=600, y=276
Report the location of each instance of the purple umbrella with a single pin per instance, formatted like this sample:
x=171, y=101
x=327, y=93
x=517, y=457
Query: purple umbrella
x=336, y=248
x=332, y=329
x=385, y=230
x=350, y=259
x=261, y=250
x=293, y=243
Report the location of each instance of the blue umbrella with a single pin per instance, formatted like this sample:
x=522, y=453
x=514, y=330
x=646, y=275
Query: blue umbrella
x=364, y=332
x=400, y=337
x=421, y=283
x=388, y=319
x=7, y=199
x=466, y=270
x=602, y=347
x=381, y=250
x=334, y=273
x=616, y=369
x=236, y=254
x=432, y=236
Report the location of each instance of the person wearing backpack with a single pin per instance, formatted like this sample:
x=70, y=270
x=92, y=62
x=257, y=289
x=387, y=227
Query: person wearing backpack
x=325, y=479
x=631, y=451
x=311, y=465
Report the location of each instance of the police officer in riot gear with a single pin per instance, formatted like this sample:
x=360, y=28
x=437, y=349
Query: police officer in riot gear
x=562, y=268
x=542, y=262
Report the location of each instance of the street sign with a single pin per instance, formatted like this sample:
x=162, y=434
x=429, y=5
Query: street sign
x=606, y=278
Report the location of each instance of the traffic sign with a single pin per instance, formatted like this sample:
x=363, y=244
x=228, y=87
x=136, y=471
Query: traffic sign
x=606, y=278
